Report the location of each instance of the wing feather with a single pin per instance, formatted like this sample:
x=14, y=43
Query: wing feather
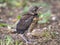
x=24, y=22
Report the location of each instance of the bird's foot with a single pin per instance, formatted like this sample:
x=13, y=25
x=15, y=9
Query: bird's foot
x=28, y=42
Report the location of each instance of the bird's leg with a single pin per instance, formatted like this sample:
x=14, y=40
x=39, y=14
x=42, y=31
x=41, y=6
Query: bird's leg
x=24, y=38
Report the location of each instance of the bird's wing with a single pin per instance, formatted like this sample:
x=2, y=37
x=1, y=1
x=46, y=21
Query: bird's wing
x=24, y=22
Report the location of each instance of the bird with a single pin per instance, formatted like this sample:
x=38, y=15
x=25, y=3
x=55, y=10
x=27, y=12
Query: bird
x=26, y=20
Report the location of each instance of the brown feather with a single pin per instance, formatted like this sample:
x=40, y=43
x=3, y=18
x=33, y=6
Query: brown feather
x=26, y=20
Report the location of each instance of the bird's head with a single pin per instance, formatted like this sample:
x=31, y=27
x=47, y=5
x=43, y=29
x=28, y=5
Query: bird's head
x=33, y=10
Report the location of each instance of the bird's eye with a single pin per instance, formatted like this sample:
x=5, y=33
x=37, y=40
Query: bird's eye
x=33, y=10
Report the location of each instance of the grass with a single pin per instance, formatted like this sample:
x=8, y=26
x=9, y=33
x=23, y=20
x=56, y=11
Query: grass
x=9, y=41
x=3, y=25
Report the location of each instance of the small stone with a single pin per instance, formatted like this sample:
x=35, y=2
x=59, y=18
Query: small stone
x=57, y=33
x=9, y=27
x=10, y=18
x=54, y=18
x=44, y=28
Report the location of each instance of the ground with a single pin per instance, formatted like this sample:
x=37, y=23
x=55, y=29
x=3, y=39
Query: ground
x=44, y=34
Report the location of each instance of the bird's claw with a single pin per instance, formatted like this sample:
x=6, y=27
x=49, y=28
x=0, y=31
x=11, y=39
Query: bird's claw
x=28, y=42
